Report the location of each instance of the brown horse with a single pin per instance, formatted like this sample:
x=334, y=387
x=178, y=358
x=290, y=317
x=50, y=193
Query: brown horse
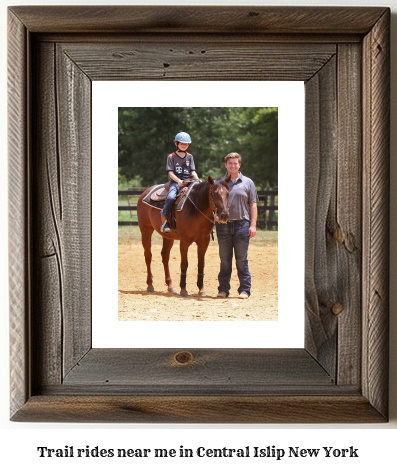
x=194, y=223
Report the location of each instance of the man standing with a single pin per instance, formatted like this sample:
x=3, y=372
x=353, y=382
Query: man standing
x=235, y=235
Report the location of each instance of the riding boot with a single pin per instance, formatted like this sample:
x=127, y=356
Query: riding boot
x=165, y=227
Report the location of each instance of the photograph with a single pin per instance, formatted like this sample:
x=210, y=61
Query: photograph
x=197, y=220
x=216, y=247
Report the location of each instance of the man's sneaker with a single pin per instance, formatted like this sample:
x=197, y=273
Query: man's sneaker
x=243, y=295
x=222, y=294
x=164, y=227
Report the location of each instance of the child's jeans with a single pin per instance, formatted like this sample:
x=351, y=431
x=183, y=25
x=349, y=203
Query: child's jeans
x=171, y=198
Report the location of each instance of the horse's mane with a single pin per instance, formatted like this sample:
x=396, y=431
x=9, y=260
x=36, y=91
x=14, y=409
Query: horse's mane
x=199, y=195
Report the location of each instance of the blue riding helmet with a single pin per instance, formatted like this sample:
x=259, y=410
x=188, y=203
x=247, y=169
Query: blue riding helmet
x=183, y=137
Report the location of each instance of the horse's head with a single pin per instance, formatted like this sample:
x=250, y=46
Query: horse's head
x=219, y=197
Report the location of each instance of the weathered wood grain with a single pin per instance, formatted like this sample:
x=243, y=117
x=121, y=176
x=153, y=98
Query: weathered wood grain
x=199, y=19
x=347, y=226
x=375, y=322
x=321, y=262
x=206, y=368
x=62, y=203
x=199, y=409
x=73, y=89
x=19, y=222
x=224, y=59
x=337, y=377
x=194, y=39
x=48, y=280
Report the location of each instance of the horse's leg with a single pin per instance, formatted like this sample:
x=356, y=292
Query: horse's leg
x=146, y=237
x=202, y=246
x=184, y=247
x=165, y=255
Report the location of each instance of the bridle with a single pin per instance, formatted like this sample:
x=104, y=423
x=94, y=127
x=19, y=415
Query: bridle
x=214, y=209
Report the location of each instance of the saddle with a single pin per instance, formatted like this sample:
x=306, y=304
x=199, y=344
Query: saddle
x=157, y=196
x=161, y=193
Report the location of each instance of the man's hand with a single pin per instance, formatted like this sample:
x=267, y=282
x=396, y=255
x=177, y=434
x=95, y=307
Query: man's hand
x=216, y=217
x=254, y=216
x=252, y=232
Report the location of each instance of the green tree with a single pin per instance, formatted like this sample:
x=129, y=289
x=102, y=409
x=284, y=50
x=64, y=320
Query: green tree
x=146, y=137
x=145, y=141
x=261, y=145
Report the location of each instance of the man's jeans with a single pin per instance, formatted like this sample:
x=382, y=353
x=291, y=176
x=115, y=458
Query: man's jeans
x=171, y=198
x=234, y=235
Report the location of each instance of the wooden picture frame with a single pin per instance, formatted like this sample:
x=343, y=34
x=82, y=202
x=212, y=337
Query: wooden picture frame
x=342, y=54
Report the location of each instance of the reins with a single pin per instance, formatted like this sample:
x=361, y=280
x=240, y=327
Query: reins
x=212, y=221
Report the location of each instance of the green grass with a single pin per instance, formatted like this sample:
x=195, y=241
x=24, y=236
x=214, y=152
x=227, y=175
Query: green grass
x=132, y=235
x=126, y=215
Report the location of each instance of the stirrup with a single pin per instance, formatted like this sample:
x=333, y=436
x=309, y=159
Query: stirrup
x=164, y=227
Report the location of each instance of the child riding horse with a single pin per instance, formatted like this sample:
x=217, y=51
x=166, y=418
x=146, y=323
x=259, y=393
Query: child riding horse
x=194, y=224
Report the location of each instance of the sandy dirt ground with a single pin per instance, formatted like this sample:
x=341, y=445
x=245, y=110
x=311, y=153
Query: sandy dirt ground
x=135, y=304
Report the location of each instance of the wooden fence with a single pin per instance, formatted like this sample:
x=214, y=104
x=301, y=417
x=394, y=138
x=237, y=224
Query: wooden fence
x=267, y=207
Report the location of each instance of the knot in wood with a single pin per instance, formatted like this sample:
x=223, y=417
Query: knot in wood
x=183, y=358
x=338, y=235
x=337, y=308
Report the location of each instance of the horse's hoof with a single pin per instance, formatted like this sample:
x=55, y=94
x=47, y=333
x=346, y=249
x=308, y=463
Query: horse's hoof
x=184, y=295
x=202, y=293
x=150, y=290
x=172, y=290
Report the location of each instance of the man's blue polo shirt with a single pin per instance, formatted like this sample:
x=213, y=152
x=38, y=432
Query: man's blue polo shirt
x=242, y=194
